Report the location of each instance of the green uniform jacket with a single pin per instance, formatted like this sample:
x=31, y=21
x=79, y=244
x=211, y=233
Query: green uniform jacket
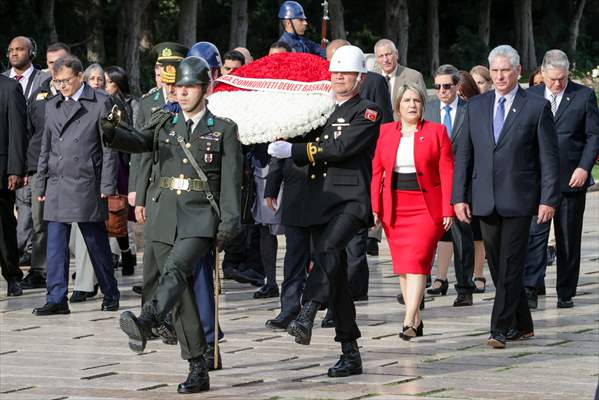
x=185, y=214
x=139, y=173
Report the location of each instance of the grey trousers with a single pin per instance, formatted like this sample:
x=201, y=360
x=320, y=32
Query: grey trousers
x=39, y=236
x=376, y=232
x=24, y=221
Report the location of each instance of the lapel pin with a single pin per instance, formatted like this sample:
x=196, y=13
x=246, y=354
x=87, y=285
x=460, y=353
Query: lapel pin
x=513, y=110
x=421, y=138
x=567, y=98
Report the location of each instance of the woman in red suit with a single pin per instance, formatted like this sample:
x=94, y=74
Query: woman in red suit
x=412, y=173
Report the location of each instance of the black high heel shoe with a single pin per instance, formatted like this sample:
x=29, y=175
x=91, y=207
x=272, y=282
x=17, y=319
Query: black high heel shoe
x=420, y=329
x=407, y=333
x=478, y=289
x=441, y=290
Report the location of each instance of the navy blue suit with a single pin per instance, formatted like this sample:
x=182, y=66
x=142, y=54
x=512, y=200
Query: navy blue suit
x=577, y=125
x=509, y=180
x=203, y=289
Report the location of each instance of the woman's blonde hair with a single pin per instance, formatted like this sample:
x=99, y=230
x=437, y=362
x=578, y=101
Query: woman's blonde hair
x=415, y=88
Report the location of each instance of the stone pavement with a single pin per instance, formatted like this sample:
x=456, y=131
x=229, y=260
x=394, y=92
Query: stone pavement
x=85, y=356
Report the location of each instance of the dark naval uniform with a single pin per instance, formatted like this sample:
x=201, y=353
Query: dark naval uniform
x=300, y=44
x=181, y=222
x=337, y=202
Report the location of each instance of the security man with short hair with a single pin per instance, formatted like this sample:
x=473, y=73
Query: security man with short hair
x=195, y=203
x=337, y=206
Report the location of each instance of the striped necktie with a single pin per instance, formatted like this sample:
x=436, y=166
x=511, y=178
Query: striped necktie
x=553, y=103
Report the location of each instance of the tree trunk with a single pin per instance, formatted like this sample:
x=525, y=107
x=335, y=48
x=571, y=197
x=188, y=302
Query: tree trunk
x=337, y=20
x=397, y=24
x=517, y=24
x=48, y=16
x=484, y=21
x=128, y=36
x=239, y=24
x=433, y=37
x=575, y=27
x=95, y=45
x=188, y=21
x=528, y=54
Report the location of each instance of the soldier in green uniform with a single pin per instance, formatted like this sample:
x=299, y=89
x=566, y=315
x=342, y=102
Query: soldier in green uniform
x=193, y=204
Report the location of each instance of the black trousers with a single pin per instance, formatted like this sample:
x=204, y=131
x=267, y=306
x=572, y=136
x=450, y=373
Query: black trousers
x=295, y=264
x=506, y=241
x=243, y=251
x=171, y=288
x=357, y=264
x=328, y=281
x=463, y=256
x=568, y=222
x=268, y=254
x=9, y=249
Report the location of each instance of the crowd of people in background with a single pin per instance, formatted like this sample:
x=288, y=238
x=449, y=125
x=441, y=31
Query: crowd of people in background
x=473, y=167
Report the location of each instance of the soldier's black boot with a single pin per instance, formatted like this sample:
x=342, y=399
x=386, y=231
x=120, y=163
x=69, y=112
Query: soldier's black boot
x=198, y=379
x=166, y=331
x=209, y=357
x=350, y=362
x=139, y=329
x=301, y=327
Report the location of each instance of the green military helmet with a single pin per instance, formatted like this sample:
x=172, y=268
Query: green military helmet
x=193, y=71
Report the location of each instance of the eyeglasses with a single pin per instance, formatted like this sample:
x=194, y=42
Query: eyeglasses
x=61, y=82
x=445, y=86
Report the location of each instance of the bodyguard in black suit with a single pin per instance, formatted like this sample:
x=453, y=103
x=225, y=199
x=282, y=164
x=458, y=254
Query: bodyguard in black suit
x=453, y=109
x=577, y=123
x=339, y=161
x=509, y=155
x=13, y=148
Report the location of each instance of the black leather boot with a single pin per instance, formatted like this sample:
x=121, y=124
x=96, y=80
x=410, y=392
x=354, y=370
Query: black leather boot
x=127, y=262
x=301, y=327
x=209, y=357
x=166, y=331
x=139, y=330
x=350, y=362
x=198, y=379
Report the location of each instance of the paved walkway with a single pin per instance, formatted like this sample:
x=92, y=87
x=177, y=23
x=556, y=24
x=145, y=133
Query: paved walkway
x=85, y=356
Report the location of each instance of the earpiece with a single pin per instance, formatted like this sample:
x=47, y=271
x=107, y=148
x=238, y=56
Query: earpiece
x=32, y=49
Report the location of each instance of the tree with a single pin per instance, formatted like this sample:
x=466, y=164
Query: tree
x=239, y=24
x=48, y=16
x=484, y=21
x=397, y=24
x=525, y=42
x=575, y=27
x=128, y=34
x=433, y=37
x=95, y=44
x=337, y=20
x=188, y=21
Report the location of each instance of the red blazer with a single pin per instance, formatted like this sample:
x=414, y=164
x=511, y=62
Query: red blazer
x=434, y=169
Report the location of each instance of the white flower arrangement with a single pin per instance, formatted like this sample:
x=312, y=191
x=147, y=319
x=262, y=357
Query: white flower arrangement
x=265, y=116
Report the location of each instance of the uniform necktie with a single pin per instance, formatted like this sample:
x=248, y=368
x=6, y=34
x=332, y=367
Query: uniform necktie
x=499, y=119
x=447, y=119
x=388, y=78
x=554, y=104
x=18, y=77
x=189, y=124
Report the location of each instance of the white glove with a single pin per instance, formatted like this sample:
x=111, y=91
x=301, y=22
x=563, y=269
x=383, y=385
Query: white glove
x=280, y=149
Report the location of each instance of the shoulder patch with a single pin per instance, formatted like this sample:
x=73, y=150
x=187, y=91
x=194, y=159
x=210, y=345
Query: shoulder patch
x=370, y=114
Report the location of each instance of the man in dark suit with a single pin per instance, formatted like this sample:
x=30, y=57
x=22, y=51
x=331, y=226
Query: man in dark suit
x=76, y=174
x=577, y=123
x=449, y=109
x=13, y=148
x=339, y=161
x=508, y=153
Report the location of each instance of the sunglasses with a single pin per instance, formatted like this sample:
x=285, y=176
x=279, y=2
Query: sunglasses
x=445, y=86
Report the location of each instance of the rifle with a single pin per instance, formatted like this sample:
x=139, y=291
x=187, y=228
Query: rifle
x=325, y=19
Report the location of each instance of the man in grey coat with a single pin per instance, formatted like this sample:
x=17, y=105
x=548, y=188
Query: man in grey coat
x=75, y=176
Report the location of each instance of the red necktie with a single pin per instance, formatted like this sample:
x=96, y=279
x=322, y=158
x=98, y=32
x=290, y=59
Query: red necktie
x=18, y=77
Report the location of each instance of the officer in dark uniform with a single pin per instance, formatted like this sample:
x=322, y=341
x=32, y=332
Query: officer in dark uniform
x=294, y=21
x=195, y=202
x=337, y=202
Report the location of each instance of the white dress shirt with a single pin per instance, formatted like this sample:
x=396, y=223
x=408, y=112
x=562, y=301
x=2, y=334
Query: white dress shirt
x=196, y=118
x=24, y=80
x=77, y=94
x=509, y=100
x=404, y=159
x=452, y=112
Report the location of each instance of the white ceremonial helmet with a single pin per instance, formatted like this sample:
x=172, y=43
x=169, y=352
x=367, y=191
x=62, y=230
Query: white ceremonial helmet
x=348, y=59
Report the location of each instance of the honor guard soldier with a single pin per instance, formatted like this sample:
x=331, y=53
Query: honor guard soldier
x=209, y=52
x=337, y=206
x=193, y=205
x=294, y=21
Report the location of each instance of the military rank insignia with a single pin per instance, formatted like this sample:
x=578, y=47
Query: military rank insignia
x=370, y=115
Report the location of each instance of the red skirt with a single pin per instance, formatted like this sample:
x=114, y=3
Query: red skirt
x=413, y=235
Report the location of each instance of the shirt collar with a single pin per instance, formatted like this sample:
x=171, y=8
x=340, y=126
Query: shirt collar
x=453, y=104
x=196, y=118
x=77, y=94
x=392, y=74
x=508, y=97
x=25, y=74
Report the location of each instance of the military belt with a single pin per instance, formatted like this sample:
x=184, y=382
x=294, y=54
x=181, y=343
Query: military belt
x=185, y=184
